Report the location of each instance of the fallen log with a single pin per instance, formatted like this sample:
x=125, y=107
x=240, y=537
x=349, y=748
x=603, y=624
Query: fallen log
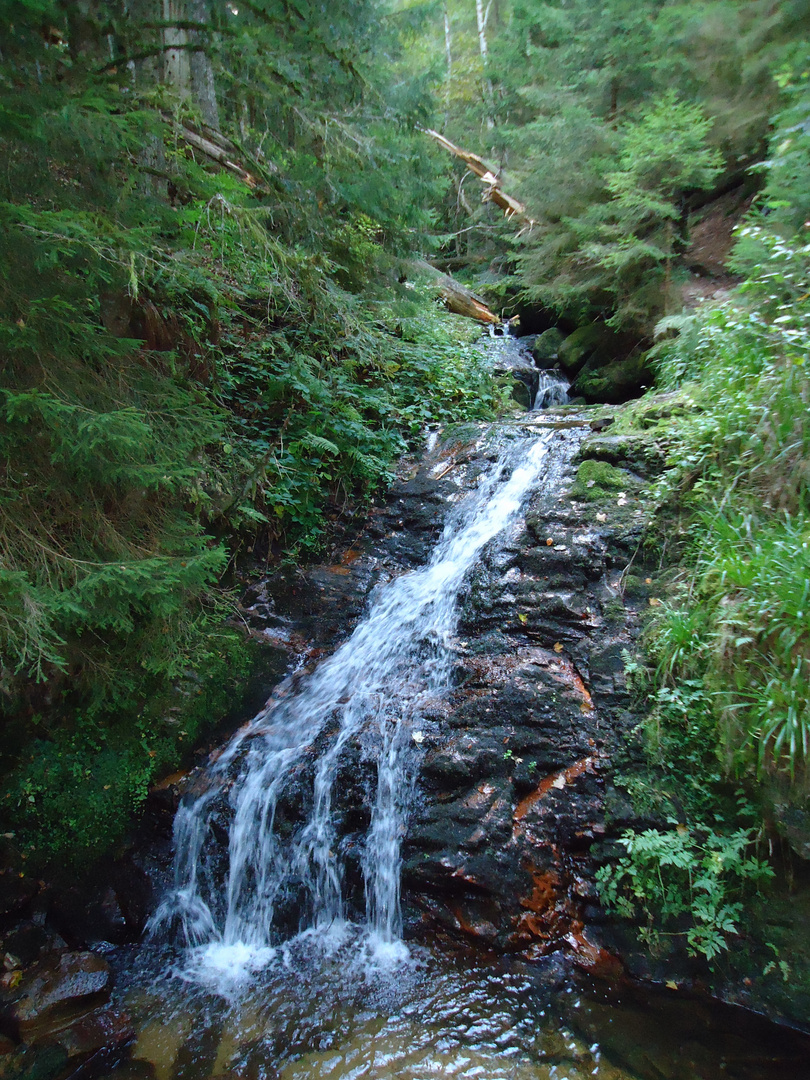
x=511, y=206
x=457, y=297
x=219, y=148
x=463, y=302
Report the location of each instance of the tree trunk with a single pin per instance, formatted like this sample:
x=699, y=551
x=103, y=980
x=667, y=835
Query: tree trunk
x=176, y=66
x=511, y=206
x=448, y=52
x=462, y=301
x=482, y=18
x=203, y=86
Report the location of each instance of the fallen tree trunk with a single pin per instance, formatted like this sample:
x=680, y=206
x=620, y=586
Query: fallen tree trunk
x=219, y=148
x=462, y=302
x=511, y=206
x=457, y=297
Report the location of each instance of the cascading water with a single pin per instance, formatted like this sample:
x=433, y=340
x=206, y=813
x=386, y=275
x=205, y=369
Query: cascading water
x=372, y=690
x=552, y=389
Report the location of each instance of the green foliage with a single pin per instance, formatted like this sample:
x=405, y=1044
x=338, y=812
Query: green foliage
x=73, y=791
x=605, y=119
x=787, y=168
x=199, y=362
x=728, y=653
x=744, y=459
x=690, y=880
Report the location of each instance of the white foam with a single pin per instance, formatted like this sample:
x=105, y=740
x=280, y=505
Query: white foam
x=226, y=969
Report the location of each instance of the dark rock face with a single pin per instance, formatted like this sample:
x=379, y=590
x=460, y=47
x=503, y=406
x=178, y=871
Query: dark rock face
x=54, y=992
x=510, y=797
x=603, y=379
x=512, y=785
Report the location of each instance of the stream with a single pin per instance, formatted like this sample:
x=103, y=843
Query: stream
x=280, y=950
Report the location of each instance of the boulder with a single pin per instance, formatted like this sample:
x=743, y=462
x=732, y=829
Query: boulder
x=639, y=453
x=547, y=345
x=612, y=382
x=577, y=348
x=53, y=993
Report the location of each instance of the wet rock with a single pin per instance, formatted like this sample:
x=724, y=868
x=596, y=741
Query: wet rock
x=53, y=993
x=24, y=943
x=612, y=381
x=33, y=1063
x=638, y=453
x=104, y=1029
x=546, y=347
x=499, y=848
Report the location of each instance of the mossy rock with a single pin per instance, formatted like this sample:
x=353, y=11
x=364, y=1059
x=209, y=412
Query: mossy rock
x=547, y=346
x=614, y=382
x=599, y=480
x=595, y=346
x=576, y=349
x=639, y=453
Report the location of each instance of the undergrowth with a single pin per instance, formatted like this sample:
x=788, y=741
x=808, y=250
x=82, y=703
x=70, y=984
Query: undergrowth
x=728, y=652
x=198, y=370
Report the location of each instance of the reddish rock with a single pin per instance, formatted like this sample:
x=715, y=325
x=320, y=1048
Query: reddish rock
x=104, y=1028
x=55, y=992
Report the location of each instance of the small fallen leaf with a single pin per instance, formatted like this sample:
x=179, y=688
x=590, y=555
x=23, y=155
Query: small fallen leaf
x=418, y=737
x=591, y=483
x=549, y=542
x=523, y=618
x=648, y=581
x=558, y=646
x=107, y=787
x=559, y=782
x=671, y=984
x=601, y=517
x=682, y=830
x=654, y=601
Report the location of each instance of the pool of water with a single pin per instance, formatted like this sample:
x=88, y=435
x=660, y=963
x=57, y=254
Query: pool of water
x=332, y=1006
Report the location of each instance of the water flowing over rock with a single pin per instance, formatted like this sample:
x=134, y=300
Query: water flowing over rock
x=292, y=852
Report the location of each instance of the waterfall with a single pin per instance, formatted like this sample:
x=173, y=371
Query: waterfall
x=371, y=692
x=552, y=389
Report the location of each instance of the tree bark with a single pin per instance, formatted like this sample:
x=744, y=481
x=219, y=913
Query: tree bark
x=482, y=18
x=511, y=206
x=203, y=85
x=176, y=66
x=448, y=52
x=462, y=302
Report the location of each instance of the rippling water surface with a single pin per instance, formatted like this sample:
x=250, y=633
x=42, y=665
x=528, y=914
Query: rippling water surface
x=327, y=1006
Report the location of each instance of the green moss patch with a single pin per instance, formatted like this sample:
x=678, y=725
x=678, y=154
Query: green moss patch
x=599, y=480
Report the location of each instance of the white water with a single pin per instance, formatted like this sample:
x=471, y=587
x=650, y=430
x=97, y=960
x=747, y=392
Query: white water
x=552, y=389
x=371, y=692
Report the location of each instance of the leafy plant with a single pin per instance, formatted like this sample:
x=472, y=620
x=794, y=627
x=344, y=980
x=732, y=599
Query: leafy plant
x=685, y=873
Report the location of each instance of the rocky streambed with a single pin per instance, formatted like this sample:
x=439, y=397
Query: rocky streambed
x=514, y=807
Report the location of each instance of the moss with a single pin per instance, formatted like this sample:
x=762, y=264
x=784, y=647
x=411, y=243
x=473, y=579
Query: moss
x=598, y=480
x=613, y=609
x=81, y=783
x=612, y=381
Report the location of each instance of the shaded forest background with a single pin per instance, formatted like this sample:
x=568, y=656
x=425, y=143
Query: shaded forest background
x=219, y=331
